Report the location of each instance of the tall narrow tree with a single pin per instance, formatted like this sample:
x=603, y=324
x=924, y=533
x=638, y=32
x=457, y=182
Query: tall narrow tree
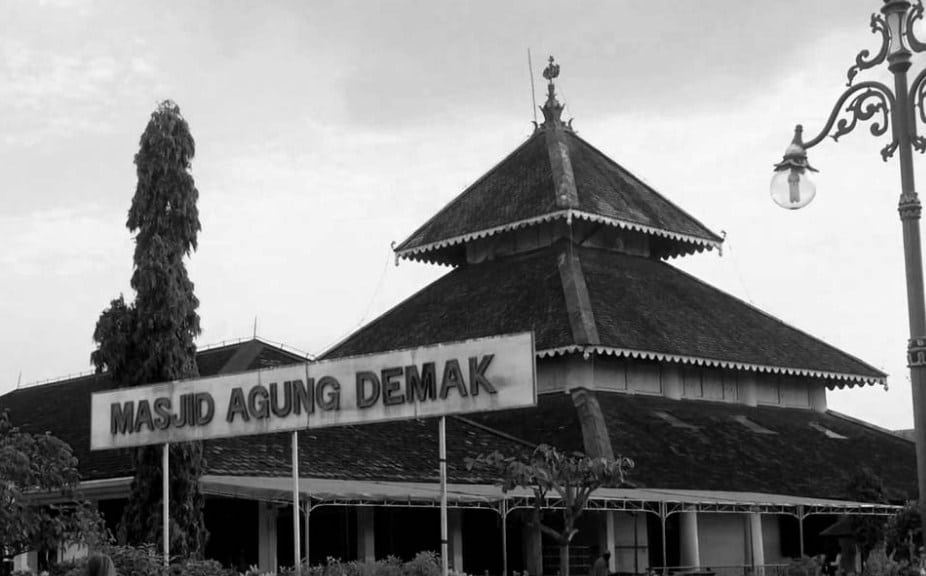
x=152, y=339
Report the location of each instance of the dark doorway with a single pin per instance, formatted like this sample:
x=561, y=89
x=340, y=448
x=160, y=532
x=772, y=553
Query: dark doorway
x=233, y=533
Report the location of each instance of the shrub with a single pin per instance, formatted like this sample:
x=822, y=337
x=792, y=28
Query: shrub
x=142, y=560
x=903, y=534
x=201, y=568
x=805, y=566
x=423, y=564
x=70, y=568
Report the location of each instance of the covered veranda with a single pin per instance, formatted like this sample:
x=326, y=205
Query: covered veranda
x=660, y=504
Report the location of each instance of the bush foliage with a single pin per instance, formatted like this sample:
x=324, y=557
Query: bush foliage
x=145, y=560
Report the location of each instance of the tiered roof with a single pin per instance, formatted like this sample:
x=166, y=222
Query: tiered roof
x=706, y=446
x=579, y=299
x=556, y=175
x=519, y=192
x=703, y=446
x=640, y=307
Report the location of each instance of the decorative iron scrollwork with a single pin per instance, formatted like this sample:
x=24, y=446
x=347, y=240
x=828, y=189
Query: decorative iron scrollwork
x=889, y=149
x=859, y=103
x=918, y=109
x=915, y=13
x=861, y=112
x=862, y=62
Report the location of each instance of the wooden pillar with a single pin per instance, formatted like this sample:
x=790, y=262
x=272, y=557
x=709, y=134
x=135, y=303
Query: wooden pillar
x=757, y=544
x=267, y=537
x=818, y=398
x=366, y=542
x=607, y=536
x=672, y=385
x=455, y=537
x=690, y=541
x=748, y=389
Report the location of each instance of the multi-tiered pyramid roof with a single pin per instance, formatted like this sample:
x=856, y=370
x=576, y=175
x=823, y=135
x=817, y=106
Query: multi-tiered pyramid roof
x=560, y=239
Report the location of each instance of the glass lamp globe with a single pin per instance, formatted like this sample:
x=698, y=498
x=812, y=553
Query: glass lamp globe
x=792, y=187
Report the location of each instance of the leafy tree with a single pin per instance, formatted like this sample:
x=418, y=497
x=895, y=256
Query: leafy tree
x=571, y=478
x=152, y=339
x=903, y=533
x=41, y=463
x=868, y=531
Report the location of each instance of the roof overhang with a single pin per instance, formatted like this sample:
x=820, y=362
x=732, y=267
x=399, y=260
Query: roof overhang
x=835, y=379
x=329, y=492
x=335, y=492
x=423, y=251
x=103, y=489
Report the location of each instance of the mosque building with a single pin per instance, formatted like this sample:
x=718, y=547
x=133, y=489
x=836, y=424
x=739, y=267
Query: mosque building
x=739, y=463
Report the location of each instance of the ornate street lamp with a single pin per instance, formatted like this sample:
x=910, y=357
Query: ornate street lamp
x=791, y=186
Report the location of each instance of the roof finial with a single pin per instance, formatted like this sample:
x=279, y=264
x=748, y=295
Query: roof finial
x=552, y=109
x=551, y=72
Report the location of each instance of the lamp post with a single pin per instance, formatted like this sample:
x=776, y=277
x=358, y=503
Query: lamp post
x=792, y=188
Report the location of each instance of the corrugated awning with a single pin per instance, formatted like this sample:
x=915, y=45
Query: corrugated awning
x=326, y=491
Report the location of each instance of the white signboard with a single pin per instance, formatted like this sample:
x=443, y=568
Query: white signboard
x=470, y=376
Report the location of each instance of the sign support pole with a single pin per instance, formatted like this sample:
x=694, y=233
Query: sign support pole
x=165, y=501
x=297, y=554
x=800, y=527
x=504, y=534
x=442, y=438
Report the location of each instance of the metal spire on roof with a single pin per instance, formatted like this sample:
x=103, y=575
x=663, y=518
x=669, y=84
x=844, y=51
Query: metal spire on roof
x=552, y=109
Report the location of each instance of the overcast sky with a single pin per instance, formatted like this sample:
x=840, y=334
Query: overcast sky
x=327, y=130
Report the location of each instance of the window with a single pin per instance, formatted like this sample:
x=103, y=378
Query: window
x=752, y=426
x=829, y=433
x=675, y=422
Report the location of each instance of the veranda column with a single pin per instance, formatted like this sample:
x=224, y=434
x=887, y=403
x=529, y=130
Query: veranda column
x=608, y=537
x=366, y=541
x=267, y=537
x=758, y=546
x=689, y=539
x=455, y=535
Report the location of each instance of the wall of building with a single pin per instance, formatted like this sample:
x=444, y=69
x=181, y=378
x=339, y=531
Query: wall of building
x=543, y=235
x=724, y=539
x=630, y=545
x=771, y=539
x=680, y=381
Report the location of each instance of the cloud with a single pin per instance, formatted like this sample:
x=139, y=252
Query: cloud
x=61, y=243
x=651, y=57
x=49, y=93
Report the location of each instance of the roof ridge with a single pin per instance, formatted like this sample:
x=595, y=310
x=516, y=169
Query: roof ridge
x=649, y=188
x=206, y=349
x=89, y=375
x=581, y=314
x=869, y=425
x=468, y=189
x=770, y=316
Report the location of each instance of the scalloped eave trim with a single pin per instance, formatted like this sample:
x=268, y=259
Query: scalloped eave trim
x=838, y=379
x=568, y=215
